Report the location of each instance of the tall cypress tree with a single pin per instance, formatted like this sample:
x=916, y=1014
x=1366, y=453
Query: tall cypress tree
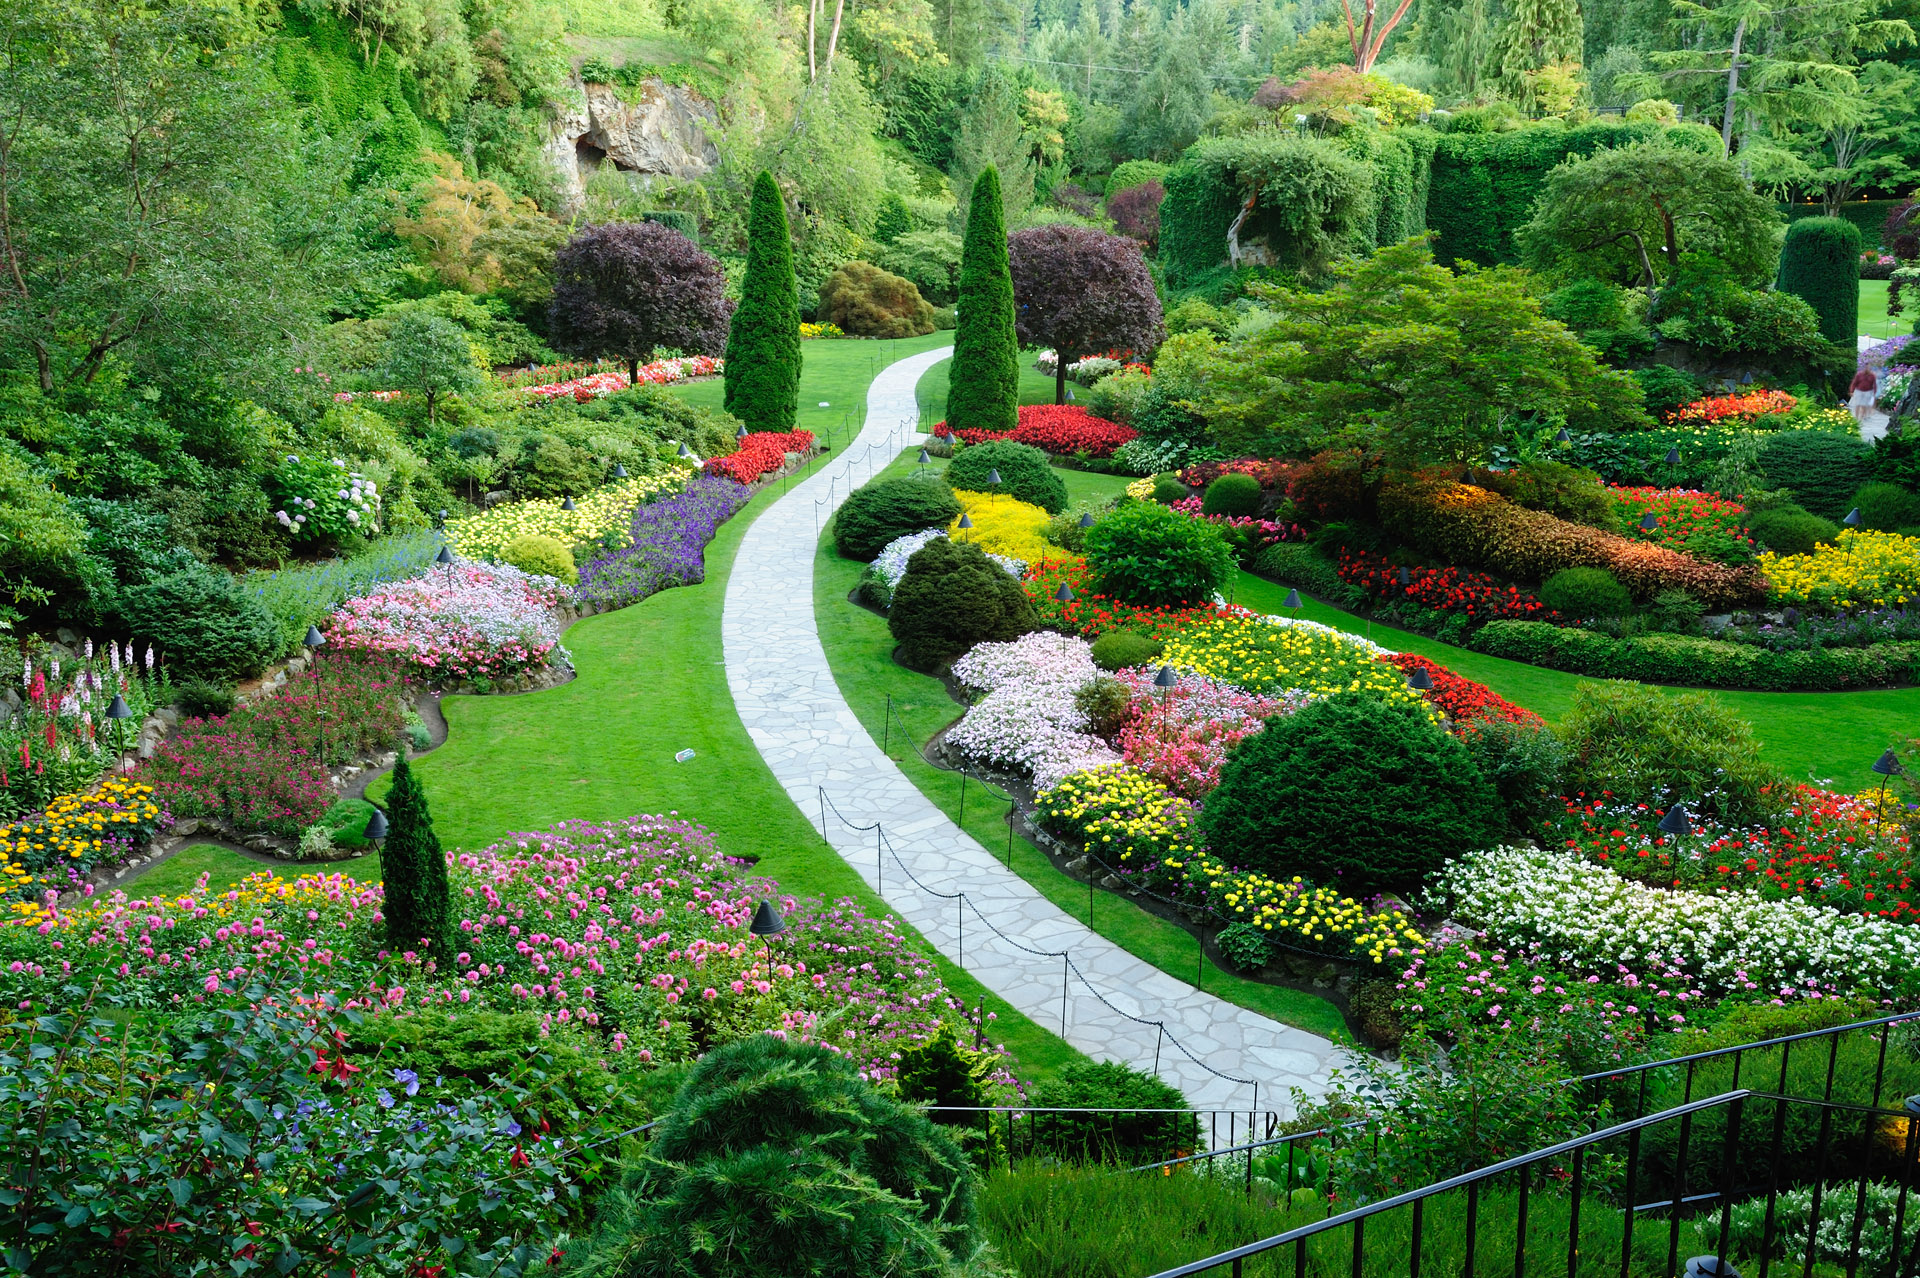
x=414, y=870
x=763, y=345
x=984, y=383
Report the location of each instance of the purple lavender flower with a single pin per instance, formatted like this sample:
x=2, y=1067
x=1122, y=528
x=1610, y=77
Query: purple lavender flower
x=408, y=1079
x=669, y=541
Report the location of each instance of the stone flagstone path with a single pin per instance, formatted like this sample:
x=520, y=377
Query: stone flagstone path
x=787, y=698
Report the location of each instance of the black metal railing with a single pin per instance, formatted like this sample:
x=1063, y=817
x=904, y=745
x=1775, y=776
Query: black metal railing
x=1119, y=1137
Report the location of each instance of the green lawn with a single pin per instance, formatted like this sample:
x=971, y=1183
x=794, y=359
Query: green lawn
x=1874, y=320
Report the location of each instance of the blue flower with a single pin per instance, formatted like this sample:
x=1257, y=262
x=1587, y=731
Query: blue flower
x=385, y=1098
x=408, y=1079
x=510, y=1127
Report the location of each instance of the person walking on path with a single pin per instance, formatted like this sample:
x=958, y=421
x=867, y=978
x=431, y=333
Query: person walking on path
x=1866, y=389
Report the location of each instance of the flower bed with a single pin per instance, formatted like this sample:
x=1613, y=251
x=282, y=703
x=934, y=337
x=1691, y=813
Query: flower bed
x=1005, y=526
x=1461, y=700
x=1744, y=408
x=1274, y=654
x=1703, y=525
x=811, y=330
x=1093, y=614
x=760, y=453
x=1180, y=736
x=467, y=622
x=1247, y=534
x=1061, y=429
x=77, y=832
x=666, y=546
x=1270, y=473
x=602, y=517
x=1028, y=721
x=1454, y=591
x=606, y=381
x=1861, y=569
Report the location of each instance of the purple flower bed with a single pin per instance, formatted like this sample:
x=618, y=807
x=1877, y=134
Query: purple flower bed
x=669, y=540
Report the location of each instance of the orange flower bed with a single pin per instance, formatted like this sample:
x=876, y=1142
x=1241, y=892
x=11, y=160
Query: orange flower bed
x=1747, y=406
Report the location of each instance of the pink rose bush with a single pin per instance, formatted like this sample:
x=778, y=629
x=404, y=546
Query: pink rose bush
x=465, y=622
x=1181, y=735
x=1028, y=722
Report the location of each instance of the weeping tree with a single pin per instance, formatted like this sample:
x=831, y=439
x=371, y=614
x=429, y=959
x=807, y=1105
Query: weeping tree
x=1082, y=292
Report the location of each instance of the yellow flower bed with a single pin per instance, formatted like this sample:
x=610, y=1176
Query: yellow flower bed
x=1003, y=525
x=1262, y=657
x=1124, y=817
x=1863, y=569
x=75, y=827
x=1141, y=489
x=821, y=330
x=603, y=511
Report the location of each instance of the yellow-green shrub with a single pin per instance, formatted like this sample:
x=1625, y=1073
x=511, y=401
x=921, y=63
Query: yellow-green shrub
x=1003, y=525
x=602, y=517
x=541, y=555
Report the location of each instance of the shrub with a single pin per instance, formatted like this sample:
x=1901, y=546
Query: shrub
x=931, y=259
x=1820, y=262
x=1024, y=474
x=1353, y=787
x=1666, y=389
x=1823, y=471
x=1647, y=746
x=866, y=301
x=1118, y=649
x=203, y=624
x=1524, y=762
x=541, y=556
x=1584, y=593
x=881, y=512
x=1106, y=703
x=1147, y=554
x=951, y=598
x=1244, y=946
x=1006, y=527
x=1568, y=492
x=1295, y=563
x=1790, y=529
x=203, y=699
x=1687, y=659
x=1233, y=495
x=1168, y=489
x=763, y=339
x=1125, y=1139
x=414, y=869
x=1888, y=508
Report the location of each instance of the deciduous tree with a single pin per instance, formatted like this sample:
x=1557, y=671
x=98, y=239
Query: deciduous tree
x=626, y=289
x=1082, y=292
x=430, y=356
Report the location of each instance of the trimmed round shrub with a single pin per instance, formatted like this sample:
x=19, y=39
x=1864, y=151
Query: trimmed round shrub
x=1822, y=471
x=882, y=512
x=541, y=555
x=1352, y=792
x=1646, y=746
x=1585, y=592
x=1149, y=555
x=1791, y=529
x=1118, y=649
x=1887, y=507
x=1167, y=490
x=1025, y=473
x=203, y=625
x=952, y=597
x=202, y=699
x=1820, y=263
x=866, y=301
x=1127, y=1139
x=1234, y=495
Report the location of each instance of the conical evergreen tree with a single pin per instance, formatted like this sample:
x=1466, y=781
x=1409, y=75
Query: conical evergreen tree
x=418, y=904
x=763, y=344
x=984, y=382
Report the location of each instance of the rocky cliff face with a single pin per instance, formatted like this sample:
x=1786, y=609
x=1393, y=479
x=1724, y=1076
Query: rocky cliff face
x=661, y=130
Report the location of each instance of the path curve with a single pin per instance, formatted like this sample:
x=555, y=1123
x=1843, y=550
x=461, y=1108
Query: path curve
x=786, y=696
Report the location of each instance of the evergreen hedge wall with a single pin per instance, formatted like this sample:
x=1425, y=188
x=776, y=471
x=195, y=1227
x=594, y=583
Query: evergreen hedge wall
x=1869, y=215
x=1194, y=218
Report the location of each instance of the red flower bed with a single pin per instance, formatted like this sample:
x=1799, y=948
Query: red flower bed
x=1461, y=699
x=1270, y=474
x=1443, y=589
x=1682, y=513
x=759, y=453
x=1747, y=406
x=1061, y=429
x=1090, y=614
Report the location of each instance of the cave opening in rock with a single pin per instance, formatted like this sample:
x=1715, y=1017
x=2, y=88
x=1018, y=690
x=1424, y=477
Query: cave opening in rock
x=589, y=156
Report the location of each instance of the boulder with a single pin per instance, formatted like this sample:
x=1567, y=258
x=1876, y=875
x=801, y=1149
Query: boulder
x=653, y=129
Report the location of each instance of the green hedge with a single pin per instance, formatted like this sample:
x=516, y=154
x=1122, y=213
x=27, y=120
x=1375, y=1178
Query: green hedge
x=1820, y=263
x=1695, y=662
x=1194, y=218
x=1295, y=563
x=1484, y=184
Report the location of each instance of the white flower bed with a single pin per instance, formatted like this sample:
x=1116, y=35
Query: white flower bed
x=890, y=565
x=1028, y=722
x=1585, y=916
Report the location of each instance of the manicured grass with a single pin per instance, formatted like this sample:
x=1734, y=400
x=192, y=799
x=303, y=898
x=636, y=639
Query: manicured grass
x=860, y=649
x=224, y=868
x=1874, y=320
x=1830, y=737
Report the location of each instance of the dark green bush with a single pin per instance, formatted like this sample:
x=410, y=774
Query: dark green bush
x=1118, y=649
x=1234, y=495
x=1148, y=555
x=1823, y=471
x=1887, y=507
x=1025, y=473
x=952, y=597
x=1585, y=592
x=1666, y=388
x=866, y=301
x=1566, y=491
x=1297, y=563
x=1244, y=946
x=203, y=699
x=1820, y=262
x=1525, y=764
x=1896, y=459
x=1167, y=490
x=1643, y=745
x=1685, y=659
x=1126, y=1139
x=202, y=623
x=1352, y=791
x=1790, y=529
x=880, y=512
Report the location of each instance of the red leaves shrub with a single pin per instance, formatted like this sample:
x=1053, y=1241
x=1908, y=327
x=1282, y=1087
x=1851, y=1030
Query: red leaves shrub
x=759, y=453
x=1332, y=487
x=1472, y=526
x=1136, y=211
x=1060, y=429
x=1450, y=590
x=1276, y=473
x=1461, y=699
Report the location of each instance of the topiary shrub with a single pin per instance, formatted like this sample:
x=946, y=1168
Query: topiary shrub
x=1118, y=649
x=1646, y=746
x=837, y=1180
x=1790, y=529
x=1150, y=555
x=203, y=625
x=1820, y=263
x=543, y=556
x=1234, y=495
x=1887, y=507
x=1025, y=474
x=1822, y=471
x=1354, y=792
x=1167, y=489
x=1585, y=592
x=1127, y=1139
x=952, y=597
x=866, y=301
x=880, y=512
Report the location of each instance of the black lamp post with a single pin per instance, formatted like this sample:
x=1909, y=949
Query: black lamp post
x=993, y=477
x=1419, y=680
x=1086, y=520
x=1166, y=681
x=377, y=828
x=741, y=434
x=966, y=522
x=766, y=925
x=620, y=471
x=1676, y=822
x=1406, y=578
x=1853, y=518
x=120, y=712
x=312, y=642
x=566, y=503
x=923, y=459
x=1648, y=523
x=1887, y=765
x=1065, y=595
x=1292, y=601
x=684, y=451
x=1563, y=437
x=445, y=560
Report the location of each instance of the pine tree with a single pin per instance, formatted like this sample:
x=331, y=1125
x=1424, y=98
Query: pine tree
x=984, y=382
x=418, y=904
x=763, y=345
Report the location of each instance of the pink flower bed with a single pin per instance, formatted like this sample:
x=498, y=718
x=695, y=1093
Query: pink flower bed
x=465, y=622
x=1181, y=735
x=659, y=373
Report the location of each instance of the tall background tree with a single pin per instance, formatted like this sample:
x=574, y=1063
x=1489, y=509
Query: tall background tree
x=626, y=289
x=985, y=377
x=763, y=342
x=413, y=869
x=1082, y=292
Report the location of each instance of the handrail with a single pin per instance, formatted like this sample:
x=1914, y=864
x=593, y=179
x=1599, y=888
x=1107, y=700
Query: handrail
x=1758, y=1045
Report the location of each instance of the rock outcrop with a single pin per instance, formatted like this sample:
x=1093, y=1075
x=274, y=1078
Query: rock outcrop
x=652, y=129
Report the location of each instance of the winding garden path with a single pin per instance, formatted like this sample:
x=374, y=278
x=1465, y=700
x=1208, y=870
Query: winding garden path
x=784, y=691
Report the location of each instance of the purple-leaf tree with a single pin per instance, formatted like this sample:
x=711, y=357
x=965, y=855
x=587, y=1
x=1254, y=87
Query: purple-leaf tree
x=1082, y=292
x=625, y=289
x=1136, y=211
